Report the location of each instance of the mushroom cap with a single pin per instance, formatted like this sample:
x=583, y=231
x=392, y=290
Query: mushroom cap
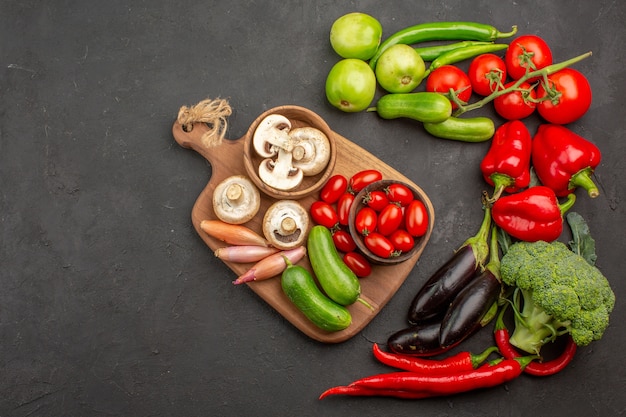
x=285, y=224
x=311, y=150
x=270, y=134
x=280, y=173
x=236, y=199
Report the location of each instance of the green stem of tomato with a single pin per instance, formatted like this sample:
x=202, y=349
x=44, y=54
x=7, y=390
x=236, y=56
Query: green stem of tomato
x=543, y=73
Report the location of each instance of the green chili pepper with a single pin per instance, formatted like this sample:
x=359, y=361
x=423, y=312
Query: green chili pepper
x=430, y=53
x=461, y=54
x=476, y=129
x=436, y=31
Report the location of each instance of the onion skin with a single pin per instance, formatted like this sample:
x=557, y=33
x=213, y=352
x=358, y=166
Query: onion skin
x=233, y=234
x=272, y=265
x=244, y=254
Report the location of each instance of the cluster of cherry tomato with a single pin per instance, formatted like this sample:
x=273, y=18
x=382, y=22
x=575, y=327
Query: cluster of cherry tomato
x=389, y=221
x=565, y=99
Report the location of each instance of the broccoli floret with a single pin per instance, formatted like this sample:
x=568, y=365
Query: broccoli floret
x=556, y=292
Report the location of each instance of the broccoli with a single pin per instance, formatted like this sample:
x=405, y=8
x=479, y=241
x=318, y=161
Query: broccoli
x=555, y=292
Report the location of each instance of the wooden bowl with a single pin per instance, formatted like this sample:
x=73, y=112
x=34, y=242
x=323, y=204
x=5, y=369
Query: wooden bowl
x=358, y=204
x=299, y=117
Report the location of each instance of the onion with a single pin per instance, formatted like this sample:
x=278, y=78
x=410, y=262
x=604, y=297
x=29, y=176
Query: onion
x=233, y=234
x=272, y=265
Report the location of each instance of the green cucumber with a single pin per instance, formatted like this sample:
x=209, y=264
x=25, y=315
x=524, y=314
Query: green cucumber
x=423, y=106
x=476, y=129
x=337, y=280
x=300, y=288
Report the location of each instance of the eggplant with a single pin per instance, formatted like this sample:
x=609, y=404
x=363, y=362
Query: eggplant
x=434, y=297
x=420, y=340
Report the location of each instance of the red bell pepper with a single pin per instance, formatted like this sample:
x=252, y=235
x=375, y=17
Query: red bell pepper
x=506, y=165
x=533, y=214
x=564, y=160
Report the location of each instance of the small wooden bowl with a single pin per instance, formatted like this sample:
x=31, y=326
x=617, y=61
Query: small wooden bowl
x=358, y=204
x=299, y=117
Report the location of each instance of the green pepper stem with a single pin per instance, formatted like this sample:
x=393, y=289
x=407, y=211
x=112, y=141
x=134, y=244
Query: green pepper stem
x=500, y=182
x=481, y=357
x=543, y=72
x=571, y=199
x=507, y=34
x=583, y=179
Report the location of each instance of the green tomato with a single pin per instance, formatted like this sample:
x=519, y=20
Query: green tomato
x=351, y=85
x=356, y=35
x=400, y=69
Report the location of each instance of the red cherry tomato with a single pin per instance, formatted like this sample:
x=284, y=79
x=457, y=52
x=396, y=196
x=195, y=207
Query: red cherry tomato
x=573, y=97
x=416, y=218
x=402, y=240
x=365, y=221
x=363, y=178
x=343, y=241
x=324, y=214
x=334, y=188
x=487, y=73
x=379, y=245
x=526, y=53
x=377, y=200
x=358, y=264
x=343, y=208
x=389, y=219
x=399, y=193
x=449, y=77
x=516, y=105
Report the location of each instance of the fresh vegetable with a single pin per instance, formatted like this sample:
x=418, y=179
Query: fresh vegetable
x=389, y=219
x=380, y=245
x=343, y=241
x=300, y=288
x=564, y=160
x=271, y=266
x=376, y=200
x=233, y=234
x=564, y=96
x=343, y=208
x=556, y=293
x=506, y=165
x=433, y=298
x=422, y=106
x=417, y=340
x=351, y=85
x=475, y=129
x=441, y=31
x=582, y=243
x=399, y=194
x=487, y=73
x=429, y=53
x=402, y=240
x=336, y=279
x=324, y=214
x=334, y=188
x=400, y=69
x=416, y=218
x=533, y=214
x=452, y=82
x=424, y=385
x=461, y=54
x=358, y=264
x=285, y=224
x=356, y=35
x=527, y=53
x=473, y=303
x=551, y=367
x=244, y=254
x=462, y=361
x=365, y=221
x=362, y=179
x=236, y=199
x=517, y=104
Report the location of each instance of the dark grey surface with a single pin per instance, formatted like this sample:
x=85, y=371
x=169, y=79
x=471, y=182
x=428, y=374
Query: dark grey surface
x=110, y=304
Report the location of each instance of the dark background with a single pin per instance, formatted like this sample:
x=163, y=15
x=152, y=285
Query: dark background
x=111, y=305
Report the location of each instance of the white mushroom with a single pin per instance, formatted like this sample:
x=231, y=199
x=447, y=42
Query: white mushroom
x=285, y=224
x=280, y=174
x=271, y=134
x=311, y=150
x=236, y=200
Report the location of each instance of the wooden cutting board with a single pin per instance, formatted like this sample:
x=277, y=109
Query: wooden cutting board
x=227, y=159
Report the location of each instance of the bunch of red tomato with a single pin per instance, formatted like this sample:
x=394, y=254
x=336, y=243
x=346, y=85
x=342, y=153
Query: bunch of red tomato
x=389, y=220
x=564, y=99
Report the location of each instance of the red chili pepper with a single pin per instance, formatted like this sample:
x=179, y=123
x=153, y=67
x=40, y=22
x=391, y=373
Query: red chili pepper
x=564, y=160
x=357, y=391
x=506, y=165
x=486, y=376
x=501, y=335
x=462, y=361
x=531, y=215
